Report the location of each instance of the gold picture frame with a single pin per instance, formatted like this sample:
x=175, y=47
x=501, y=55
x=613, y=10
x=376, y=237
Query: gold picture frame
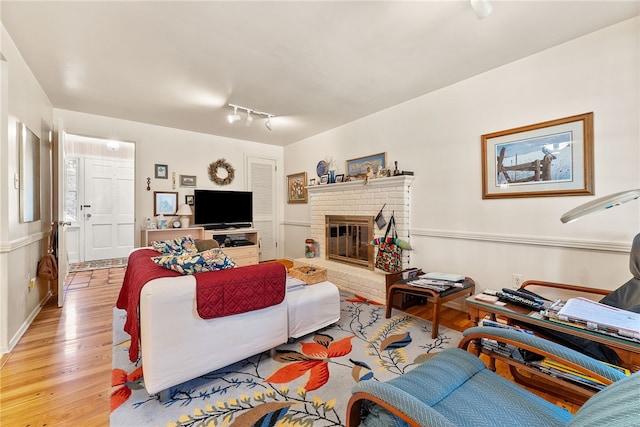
x=553, y=158
x=360, y=165
x=297, y=188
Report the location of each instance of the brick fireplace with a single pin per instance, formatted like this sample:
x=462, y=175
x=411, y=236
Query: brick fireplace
x=356, y=199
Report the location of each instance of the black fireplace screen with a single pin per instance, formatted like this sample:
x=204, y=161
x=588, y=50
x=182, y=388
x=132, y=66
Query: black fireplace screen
x=348, y=239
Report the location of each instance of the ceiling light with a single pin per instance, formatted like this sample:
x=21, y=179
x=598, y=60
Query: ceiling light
x=235, y=116
x=113, y=145
x=482, y=8
x=249, y=120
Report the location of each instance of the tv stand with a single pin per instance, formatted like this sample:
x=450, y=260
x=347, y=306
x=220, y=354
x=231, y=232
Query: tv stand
x=245, y=252
x=227, y=226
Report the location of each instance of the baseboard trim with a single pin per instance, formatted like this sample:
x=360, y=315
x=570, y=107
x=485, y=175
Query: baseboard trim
x=26, y=324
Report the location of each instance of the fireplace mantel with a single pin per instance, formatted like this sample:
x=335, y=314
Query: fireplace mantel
x=393, y=181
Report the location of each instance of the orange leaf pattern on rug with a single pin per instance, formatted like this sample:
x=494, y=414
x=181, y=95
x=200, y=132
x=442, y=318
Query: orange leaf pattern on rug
x=315, y=358
x=128, y=382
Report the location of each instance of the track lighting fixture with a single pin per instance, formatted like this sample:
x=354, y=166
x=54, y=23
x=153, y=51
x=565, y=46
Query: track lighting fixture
x=235, y=117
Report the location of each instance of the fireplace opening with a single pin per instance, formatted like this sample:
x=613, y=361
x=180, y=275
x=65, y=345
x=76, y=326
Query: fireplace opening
x=347, y=239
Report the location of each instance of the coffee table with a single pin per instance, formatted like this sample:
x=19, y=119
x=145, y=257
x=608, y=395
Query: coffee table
x=628, y=350
x=438, y=298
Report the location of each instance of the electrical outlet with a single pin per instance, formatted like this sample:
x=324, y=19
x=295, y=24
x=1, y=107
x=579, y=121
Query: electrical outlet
x=516, y=280
x=32, y=283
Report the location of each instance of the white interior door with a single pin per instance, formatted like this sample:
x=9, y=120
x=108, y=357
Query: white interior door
x=63, y=260
x=107, y=208
x=262, y=180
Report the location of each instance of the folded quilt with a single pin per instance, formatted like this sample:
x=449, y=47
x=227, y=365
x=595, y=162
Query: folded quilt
x=240, y=290
x=140, y=270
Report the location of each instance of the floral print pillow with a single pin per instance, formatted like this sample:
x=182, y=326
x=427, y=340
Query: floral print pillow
x=211, y=260
x=180, y=246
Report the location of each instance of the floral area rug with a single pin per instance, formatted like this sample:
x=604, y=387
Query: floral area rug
x=307, y=383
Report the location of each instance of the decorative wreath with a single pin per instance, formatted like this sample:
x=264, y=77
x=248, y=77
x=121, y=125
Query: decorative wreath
x=213, y=172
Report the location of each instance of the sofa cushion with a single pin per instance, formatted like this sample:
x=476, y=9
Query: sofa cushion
x=191, y=263
x=206, y=244
x=179, y=246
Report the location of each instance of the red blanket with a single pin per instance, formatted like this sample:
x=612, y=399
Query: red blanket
x=238, y=290
x=218, y=293
x=140, y=270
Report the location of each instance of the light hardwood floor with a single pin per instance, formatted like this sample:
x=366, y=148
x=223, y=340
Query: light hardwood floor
x=59, y=374
x=60, y=371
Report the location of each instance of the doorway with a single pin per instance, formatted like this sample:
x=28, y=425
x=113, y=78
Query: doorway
x=99, y=198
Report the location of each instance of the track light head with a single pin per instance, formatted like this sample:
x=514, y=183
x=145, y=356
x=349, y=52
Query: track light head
x=482, y=8
x=267, y=124
x=249, y=120
x=235, y=116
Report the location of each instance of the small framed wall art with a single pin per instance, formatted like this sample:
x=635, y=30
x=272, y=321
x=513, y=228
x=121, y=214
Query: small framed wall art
x=296, y=188
x=189, y=199
x=553, y=158
x=187, y=180
x=161, y=171
x=165, y=202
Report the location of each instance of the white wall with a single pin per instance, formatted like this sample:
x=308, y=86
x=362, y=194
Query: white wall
x=185, y=153
x=21, y=244
x=438, y=137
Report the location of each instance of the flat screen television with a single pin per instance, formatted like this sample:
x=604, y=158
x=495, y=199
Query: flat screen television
x=222, y=209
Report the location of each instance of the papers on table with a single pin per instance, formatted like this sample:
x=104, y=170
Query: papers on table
x=601, y=317
x=436, y=285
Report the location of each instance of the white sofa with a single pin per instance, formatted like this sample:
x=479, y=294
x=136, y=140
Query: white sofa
x=177, y=345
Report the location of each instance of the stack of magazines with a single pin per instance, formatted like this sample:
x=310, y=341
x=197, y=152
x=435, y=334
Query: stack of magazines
x=560, y=370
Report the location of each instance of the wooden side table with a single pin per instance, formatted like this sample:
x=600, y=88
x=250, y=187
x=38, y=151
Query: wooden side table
x=438, y=298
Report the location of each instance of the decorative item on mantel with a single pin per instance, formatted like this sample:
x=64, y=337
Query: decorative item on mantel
x=397, y=172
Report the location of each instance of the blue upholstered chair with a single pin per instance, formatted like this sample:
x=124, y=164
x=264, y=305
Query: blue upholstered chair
x=455, y=388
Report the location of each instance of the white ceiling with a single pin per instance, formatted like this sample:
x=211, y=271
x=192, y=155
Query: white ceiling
x=315, y=65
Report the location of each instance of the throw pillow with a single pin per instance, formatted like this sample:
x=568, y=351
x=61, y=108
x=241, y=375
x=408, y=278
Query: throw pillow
x=211, y=260
x=180, y=246
x=206, y=244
